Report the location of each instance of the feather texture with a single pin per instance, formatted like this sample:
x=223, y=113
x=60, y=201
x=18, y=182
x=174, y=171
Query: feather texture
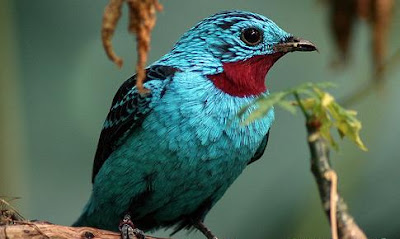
x=167, y=157
x=128, y=111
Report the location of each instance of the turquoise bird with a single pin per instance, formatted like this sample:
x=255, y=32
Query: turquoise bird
x=166, y=157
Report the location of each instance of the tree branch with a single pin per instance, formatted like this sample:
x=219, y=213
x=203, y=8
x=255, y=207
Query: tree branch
x=342, y=223
x=40, y=230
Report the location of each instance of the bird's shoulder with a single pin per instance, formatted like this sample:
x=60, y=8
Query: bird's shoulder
x=128, y=110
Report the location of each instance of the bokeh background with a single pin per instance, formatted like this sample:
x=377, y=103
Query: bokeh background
x=56, y=86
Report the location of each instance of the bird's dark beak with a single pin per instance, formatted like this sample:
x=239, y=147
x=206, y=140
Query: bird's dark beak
x=294, y=44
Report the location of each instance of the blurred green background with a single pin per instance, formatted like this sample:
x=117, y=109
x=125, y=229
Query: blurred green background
x=56, y=86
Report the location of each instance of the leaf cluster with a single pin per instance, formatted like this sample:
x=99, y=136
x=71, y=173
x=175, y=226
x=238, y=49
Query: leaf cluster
x=317, y=105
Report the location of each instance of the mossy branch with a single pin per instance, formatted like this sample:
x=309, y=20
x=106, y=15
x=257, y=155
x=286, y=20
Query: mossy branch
x=322, y=114
x=343, y=225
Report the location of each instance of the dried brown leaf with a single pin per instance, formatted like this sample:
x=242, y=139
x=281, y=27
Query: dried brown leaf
x=142, y=19
x=112, y=14
x=345, y=13
x=381, y=19
x=343, y=17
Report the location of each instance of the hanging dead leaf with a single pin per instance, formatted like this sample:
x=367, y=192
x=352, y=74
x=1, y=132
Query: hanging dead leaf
x=381, y=18
x=142, y=19
x=344, y=14
x=342, y=18
x=112, y=14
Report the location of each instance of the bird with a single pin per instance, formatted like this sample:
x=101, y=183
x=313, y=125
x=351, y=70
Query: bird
x=165, y=157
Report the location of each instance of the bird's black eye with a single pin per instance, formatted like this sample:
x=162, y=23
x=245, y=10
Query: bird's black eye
x=251, y=36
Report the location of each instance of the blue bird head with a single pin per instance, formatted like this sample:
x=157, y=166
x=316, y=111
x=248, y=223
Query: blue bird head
x=236, y=48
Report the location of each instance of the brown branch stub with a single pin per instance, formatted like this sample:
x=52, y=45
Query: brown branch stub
x=142, y=19
x=40, y=230
x=322, y=170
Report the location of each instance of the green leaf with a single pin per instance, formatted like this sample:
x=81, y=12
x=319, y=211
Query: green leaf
x=318, y=105
x=287, y=105
x=263, y=104
x=337, y=117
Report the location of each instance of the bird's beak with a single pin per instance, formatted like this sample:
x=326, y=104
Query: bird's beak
x=294, y=44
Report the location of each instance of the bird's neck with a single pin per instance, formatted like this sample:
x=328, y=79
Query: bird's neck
x=245, y=78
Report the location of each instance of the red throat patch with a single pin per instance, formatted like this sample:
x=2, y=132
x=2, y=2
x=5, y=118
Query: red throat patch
x=245, y=78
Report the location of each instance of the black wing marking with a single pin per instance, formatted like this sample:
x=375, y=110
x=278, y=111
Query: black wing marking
x=127, y=112
x=260, y=150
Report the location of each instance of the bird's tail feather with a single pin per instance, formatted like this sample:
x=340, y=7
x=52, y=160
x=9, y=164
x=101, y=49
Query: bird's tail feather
x=82, y=220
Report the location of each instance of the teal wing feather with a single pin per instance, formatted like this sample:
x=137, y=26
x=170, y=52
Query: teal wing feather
x=260, y=150
x=128, y=110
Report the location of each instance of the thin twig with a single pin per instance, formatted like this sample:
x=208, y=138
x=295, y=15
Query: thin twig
x=303, y=109
x=320, y=165
x=5, y=233
x=342, y=223
x=332, y=176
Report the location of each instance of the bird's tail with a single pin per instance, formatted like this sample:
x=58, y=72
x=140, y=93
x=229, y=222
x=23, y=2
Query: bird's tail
x=96, y=218
x=82, y=220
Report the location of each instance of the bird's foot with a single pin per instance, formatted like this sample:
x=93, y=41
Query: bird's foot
x=203, y=229
x=128, y=229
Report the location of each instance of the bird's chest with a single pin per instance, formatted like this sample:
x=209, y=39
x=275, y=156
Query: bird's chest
x=197, y=125
x=192, y=146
